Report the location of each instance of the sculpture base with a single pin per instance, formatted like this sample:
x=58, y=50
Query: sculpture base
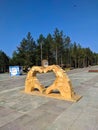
x=75, y=98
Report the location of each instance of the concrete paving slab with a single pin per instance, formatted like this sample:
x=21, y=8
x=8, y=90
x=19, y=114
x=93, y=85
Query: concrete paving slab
x=86, y=121
x=19, y=111
x=8, y=115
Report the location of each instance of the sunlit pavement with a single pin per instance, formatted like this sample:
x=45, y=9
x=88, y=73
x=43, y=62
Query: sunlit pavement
x=19, y=111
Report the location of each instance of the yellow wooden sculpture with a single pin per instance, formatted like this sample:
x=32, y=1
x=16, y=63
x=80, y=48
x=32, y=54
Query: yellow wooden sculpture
x=60, y=89
x=32, y=82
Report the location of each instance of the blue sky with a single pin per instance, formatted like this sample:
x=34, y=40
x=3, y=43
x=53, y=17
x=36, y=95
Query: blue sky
x=77, y=18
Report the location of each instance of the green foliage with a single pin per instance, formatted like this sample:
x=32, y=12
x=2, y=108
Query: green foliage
x=56, y=48
x=25, y=54
x=4, y=62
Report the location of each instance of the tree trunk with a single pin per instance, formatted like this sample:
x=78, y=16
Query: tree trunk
x=56, y=56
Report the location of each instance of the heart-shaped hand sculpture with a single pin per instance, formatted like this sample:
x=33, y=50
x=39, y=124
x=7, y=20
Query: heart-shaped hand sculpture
x=62, y=83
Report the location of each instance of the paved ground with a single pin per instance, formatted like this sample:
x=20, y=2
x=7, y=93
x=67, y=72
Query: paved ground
x=19, y=111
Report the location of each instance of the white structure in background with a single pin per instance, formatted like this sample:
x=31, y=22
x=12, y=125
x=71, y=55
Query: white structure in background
x=15, y=70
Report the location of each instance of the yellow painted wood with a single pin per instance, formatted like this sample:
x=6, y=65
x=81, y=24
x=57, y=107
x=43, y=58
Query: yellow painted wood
x=62, y=83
